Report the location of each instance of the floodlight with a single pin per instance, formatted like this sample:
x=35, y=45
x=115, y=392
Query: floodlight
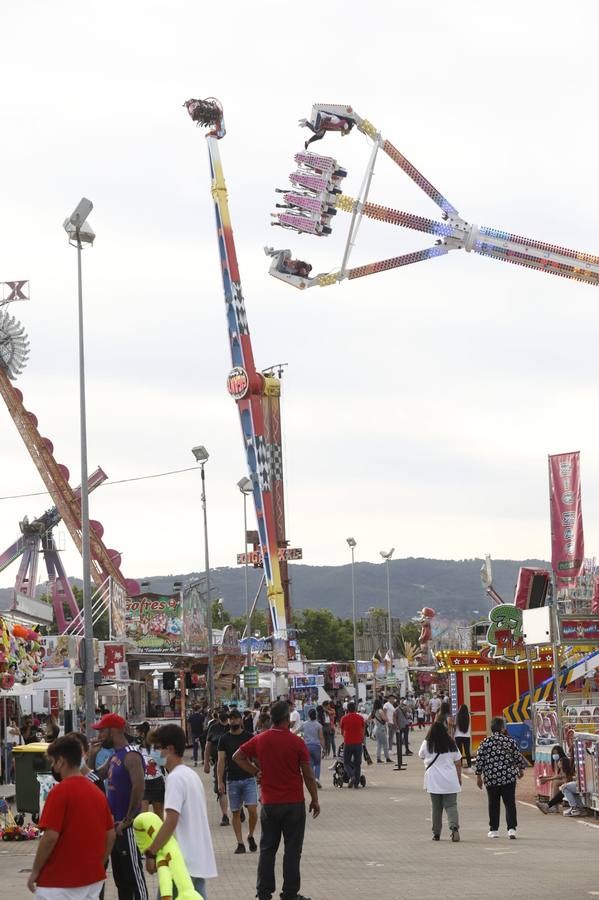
x=81, y=212
x=351, y=542
x=200, y=453
x=388, y=555
x=245, y=485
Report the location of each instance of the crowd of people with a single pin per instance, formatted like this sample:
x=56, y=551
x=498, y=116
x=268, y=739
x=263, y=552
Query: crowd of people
x=261, y=761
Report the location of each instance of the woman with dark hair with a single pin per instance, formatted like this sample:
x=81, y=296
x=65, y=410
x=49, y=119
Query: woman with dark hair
x=564, y=785
x=462, y=733
x=444, y=716
x=442, y=778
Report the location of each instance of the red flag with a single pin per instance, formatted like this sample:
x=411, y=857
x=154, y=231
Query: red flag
x=567, y=537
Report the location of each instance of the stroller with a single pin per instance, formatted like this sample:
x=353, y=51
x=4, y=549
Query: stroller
x=340, y=775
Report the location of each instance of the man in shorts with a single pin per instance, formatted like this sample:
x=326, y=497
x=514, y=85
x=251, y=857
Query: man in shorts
x=240, y=787
x=216, y=729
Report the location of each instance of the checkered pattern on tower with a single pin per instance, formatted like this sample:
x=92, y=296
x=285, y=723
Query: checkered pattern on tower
x=262, y=463
x=275, y=460
x=239, y=307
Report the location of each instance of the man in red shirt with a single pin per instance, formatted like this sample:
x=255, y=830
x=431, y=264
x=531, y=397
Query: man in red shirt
x=352, y=729
x=78, y=831
x=283, y=761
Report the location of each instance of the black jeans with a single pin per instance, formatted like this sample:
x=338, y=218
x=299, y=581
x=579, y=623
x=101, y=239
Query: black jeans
x=507, y=793
x=288, y=820
x=352, y=761
x=405, y=735
x=463, y=745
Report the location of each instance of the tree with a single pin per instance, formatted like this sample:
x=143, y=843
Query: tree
x=323, y=636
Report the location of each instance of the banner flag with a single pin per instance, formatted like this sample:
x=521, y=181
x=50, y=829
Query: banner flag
x=567, y=537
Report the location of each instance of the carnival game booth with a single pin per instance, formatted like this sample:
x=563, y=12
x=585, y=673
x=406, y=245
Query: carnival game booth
x=487, y=685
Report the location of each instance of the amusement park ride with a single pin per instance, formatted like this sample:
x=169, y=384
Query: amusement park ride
x=104, y=563
x=257, y=395
x=316, y=196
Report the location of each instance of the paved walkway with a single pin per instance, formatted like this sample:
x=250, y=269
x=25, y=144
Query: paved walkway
x=377, y=843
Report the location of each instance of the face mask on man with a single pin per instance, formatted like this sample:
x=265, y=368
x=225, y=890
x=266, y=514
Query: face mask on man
x=158, y=757
x=235, y=725
x=55, y=775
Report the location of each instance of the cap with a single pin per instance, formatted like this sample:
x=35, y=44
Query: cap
x=235, y=714
x=110, y=720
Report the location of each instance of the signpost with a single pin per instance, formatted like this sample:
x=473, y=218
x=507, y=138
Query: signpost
x=251, y=677
x=254, y=558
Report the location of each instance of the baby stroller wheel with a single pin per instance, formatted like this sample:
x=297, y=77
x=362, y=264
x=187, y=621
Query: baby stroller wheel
x=362, y=780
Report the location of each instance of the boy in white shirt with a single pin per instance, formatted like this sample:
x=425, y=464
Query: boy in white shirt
x=185, y=811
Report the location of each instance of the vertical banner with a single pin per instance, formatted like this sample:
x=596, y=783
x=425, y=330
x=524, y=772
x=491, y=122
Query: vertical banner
x=567, y=538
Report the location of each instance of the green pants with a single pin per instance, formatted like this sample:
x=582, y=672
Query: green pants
x=449, y=803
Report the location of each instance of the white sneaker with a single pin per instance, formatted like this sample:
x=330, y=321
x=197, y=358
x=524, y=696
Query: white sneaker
x=511, y=833
x=493, y=834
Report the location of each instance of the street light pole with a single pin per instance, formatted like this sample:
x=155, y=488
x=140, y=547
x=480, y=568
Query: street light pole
x=80, y=232
x=352, y=546
x=387, y=557
x=202, y=456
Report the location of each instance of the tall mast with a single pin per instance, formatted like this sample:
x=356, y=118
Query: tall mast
x=251, y=389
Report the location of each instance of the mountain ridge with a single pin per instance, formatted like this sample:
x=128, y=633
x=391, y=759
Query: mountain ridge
x=452, y=587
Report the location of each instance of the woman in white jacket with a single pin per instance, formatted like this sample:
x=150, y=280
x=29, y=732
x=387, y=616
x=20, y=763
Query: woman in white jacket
x=442, y=778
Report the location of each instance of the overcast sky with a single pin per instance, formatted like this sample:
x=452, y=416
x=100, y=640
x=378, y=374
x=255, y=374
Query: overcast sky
x=420, y=404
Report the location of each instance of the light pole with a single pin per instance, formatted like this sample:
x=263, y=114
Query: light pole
x=387, y=557
x=352, y=546
x=202, y=456
x=80, y=232
x=246, y=487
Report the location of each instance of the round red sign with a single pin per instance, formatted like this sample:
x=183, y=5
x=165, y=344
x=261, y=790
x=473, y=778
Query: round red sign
x=238, y=383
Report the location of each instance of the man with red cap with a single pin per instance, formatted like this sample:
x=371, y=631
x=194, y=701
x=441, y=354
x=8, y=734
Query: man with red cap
x=125, y=788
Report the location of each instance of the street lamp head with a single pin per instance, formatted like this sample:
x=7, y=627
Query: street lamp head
x=351, y=542
x=200, y=453
x=76, y=225
x=387, y=555
x=245, y=485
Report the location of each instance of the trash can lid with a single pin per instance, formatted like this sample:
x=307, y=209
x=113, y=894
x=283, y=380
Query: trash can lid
x=31, y=748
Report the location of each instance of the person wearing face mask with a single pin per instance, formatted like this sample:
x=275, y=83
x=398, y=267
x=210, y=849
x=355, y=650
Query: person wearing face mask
x=78, y=831
x=124, y=790
x=564, y=786
x=154, y=775
x=185, y=811
x=216, y=729
x=240, y=787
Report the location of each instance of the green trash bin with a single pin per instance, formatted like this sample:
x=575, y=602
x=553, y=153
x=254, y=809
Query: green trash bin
x=30, y=760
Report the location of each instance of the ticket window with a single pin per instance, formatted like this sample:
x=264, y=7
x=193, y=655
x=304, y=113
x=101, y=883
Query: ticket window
x=477, y=697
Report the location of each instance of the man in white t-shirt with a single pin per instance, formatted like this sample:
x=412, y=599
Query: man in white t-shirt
x=389, y=710
x=295, y=719
x=185, y=813
x=435, y=706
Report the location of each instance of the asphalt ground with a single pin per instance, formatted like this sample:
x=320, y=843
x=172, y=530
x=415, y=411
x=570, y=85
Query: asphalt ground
x=377, y=842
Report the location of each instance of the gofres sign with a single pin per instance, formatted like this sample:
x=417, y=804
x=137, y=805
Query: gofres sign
x=254, y=558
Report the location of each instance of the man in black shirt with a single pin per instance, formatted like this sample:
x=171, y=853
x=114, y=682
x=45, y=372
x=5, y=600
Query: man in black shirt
x=196, y=726
x=240, y=788
x=217, y=728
